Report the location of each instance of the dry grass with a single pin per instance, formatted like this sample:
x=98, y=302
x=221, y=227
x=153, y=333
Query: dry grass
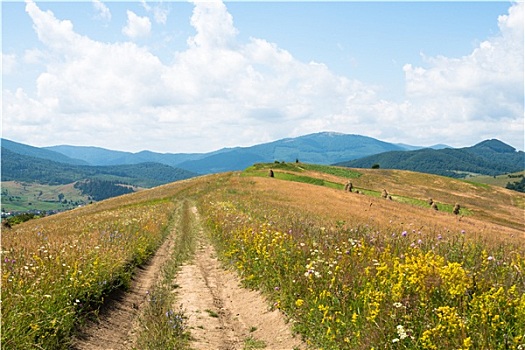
x=42, y=258
x=492, y=209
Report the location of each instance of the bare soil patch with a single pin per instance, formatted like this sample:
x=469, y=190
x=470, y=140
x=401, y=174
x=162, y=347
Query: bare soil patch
x=221, y=314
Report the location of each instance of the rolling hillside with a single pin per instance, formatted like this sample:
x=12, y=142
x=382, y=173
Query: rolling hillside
x=30, y=169
x=490, y=157
x=339, y=263
x=31, y=183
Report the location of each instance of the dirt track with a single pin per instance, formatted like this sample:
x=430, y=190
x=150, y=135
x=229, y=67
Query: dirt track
x=118, y=320
x=221, y=314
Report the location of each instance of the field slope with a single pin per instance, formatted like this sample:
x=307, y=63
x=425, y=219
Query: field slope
x=348, y=270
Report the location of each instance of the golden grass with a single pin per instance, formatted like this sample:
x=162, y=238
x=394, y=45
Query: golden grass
x=43, y=292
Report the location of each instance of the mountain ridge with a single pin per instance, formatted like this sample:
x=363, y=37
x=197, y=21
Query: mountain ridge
x=19, y=167
x=322, y=148
x=490, y=157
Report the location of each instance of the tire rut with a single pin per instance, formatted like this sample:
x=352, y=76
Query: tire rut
x=117, y=322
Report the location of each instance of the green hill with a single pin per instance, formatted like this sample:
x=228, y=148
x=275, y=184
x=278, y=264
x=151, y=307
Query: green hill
x=491, y=157
x=86, y=183
x=17, y=167
x=26, y=150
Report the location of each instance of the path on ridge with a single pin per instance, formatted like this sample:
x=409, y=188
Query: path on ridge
x=221, y=315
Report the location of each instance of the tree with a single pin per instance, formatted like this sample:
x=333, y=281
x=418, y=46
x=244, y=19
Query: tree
x=375, y=166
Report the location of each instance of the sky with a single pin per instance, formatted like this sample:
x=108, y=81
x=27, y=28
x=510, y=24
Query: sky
x=185, y=77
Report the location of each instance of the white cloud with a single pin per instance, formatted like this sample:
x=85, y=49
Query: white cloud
x=102, y=10
x=8, y=63
x=160, y=13
x=214, y=25
x=136, y=26
x=462, y=96
x=223, y=92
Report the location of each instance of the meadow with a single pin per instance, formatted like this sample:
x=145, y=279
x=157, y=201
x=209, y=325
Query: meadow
x=21, y=196
x=58, y=270
x=384, y=275
x=350, y=271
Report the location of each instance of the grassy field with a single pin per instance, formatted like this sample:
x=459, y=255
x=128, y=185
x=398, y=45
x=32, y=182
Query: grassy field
x=19, y=196
x=351, y=271
x=500, y=180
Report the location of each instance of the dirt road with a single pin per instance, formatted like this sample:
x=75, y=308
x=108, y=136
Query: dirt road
x=118, y=319
x=221, y=314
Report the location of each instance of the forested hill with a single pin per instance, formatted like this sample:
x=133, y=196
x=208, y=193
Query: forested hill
x=18, y=167
x=36, y=152
x=490, y=157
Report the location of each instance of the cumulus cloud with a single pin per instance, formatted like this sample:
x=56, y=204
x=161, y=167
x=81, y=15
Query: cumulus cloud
x=214, y=25
x=222, y=92
x=102, y=10
x=484, y=88
x=136, y=26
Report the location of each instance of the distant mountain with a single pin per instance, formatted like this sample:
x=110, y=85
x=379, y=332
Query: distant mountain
x=320, y=148
x=101, y=156
x=42, y=153
x=490, y=157
x=19, y=167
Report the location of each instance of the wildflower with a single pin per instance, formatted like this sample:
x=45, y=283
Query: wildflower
x=401, y=332
x=395, y=340
x=299, y=302
x=397, y=305
x=440, y=237
x=490, y=258
x=276, y=288
x=404, y=233
x=463, y=231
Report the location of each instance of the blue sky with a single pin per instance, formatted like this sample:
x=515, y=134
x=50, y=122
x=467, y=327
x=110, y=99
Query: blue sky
x=196, y=77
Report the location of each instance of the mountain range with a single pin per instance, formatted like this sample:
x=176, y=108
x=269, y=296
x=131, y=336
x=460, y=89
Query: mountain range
x=320, y=148
x=490, y=157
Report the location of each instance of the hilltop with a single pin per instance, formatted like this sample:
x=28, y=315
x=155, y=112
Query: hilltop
x=337, y=262
x=96, y=173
